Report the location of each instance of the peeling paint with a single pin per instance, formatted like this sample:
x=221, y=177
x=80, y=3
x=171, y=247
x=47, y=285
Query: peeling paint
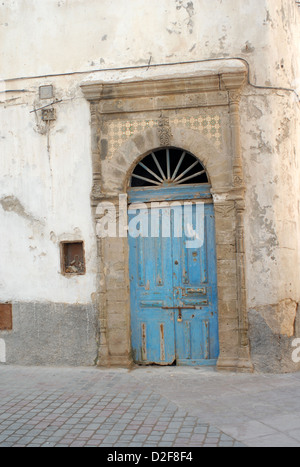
x=12, y=204
x=248, y=49
x=253, y=111
x=280, y=317
x=264, y=226
x=283, y=132
x=178, y=27
x=268, y=19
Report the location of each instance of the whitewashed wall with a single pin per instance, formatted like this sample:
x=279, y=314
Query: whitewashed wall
x=40, y=37
x=46, y=175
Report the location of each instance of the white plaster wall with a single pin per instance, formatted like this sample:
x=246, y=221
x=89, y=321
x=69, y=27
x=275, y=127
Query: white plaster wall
x=271, y=149
x=52, y=186
x=44, y=199
x=41, y=37
x=270, y=139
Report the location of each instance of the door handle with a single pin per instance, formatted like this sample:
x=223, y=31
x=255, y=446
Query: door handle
x=179, y=308
x=179, y=319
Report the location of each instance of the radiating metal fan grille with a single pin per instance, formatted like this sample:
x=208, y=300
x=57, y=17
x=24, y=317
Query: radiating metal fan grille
x=168, y=167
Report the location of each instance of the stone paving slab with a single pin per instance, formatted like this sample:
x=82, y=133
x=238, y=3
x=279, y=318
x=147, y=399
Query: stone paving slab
x=257, y=409
x=147, y=406
x=47, y=407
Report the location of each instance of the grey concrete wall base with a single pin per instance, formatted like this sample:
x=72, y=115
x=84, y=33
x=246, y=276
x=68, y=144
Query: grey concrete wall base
x=52, y=334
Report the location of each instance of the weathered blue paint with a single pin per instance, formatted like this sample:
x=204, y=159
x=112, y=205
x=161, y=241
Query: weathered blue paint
x=171, y=193
x=174, y=313
x=195, y=284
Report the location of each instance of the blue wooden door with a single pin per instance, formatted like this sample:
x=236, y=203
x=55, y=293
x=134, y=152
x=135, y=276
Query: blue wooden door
x=152, y=324
x=173, y=289
x=195, y=293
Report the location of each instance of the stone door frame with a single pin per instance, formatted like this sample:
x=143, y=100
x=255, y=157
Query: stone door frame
x=162, y=99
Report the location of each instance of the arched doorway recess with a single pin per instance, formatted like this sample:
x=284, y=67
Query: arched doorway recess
x=172, y=261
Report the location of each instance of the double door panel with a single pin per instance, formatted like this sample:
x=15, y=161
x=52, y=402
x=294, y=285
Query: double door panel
x=172, y=271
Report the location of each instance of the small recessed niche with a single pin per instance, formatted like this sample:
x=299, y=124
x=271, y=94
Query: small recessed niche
x=72, y=258
x=6, y=323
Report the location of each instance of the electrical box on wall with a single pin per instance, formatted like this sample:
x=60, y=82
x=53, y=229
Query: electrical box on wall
x=48, y=115
x=46, y=92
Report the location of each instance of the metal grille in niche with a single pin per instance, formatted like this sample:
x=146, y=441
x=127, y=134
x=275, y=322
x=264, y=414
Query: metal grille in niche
x=168, y=167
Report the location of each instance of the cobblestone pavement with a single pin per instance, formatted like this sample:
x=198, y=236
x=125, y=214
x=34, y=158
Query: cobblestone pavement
x=147, y=406
x=79, y=407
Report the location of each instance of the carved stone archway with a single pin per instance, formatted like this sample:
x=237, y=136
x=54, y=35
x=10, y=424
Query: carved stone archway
x=201, y=115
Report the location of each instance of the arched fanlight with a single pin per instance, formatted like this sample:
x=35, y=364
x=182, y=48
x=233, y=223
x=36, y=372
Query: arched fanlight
x=168, y=167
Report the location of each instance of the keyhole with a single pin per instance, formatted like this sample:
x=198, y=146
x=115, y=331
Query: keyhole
x=176, y=262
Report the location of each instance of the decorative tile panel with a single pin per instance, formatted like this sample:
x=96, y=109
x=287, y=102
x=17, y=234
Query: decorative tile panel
x=119, y=131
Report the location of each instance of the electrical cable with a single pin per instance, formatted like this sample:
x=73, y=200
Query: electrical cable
x=149, y=65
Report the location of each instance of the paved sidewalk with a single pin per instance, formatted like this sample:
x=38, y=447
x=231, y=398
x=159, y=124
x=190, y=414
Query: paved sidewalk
x=93, y=407
x=258, y=410
x=151, y=406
